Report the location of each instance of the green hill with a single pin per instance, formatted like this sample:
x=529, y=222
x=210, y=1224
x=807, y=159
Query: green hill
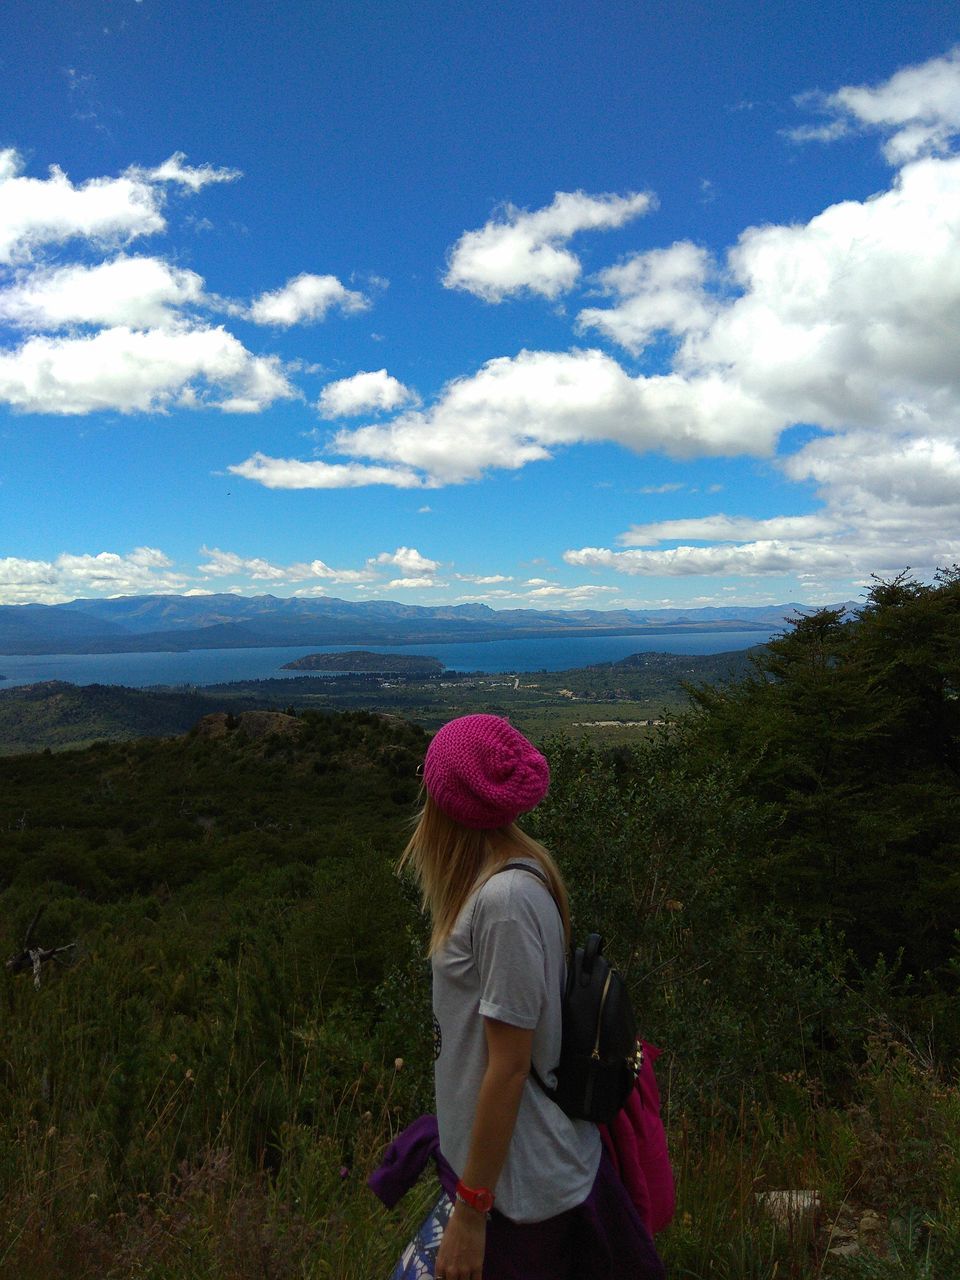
x=57, y=715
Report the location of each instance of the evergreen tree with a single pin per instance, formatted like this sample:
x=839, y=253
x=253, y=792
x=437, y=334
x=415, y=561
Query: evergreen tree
x=850, y=727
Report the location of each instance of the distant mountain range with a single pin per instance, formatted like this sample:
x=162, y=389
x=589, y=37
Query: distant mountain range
x=177, y=623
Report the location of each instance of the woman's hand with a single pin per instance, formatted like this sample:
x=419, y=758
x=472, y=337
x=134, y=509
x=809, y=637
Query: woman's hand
x=462, y=1247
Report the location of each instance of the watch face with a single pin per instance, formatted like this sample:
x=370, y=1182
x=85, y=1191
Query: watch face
x=480, y=1199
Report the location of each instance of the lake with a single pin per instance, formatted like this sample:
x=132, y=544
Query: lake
x=217, y=666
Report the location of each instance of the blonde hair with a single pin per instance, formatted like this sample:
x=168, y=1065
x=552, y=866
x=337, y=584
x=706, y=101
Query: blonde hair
x=449, y=861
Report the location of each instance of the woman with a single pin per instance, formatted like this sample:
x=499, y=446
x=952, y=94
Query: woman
x=498, y=947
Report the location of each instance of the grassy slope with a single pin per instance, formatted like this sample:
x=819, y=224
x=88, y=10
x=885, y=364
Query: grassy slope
x=202, y=1094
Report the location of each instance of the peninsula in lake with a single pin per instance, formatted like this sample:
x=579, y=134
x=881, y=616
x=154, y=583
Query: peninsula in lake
x=362, y=660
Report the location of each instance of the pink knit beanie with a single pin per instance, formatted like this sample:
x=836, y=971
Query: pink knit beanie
x=483, y=773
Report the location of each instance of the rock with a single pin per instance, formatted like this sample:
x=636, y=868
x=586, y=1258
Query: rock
x=787, y=1206
x=846, y=1250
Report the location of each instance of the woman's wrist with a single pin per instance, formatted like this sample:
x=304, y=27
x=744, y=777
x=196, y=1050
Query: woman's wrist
x=478, y=1198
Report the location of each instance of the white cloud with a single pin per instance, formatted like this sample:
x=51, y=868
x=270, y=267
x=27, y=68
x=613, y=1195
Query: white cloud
x=551, y=595
x=291, y=473
x=409, y=560
x=139, y=371
x=524, y=250
x=724, y=528
x=228, y=564
x=660, y=291
x=361, y=393
x=39, y=211
x=569, y=595
x=194, y=177
x=140, y=292
x=144, y=571
x=410, y=584
x=888, y=503
x=515, y=410
x=304, y=299
x=919, y=108
x=861, y=471
x=483, y=580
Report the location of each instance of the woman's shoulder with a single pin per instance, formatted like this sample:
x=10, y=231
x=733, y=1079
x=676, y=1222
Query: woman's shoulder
x=520, y=883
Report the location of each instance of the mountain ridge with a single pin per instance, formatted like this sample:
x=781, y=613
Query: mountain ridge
x=150, y=623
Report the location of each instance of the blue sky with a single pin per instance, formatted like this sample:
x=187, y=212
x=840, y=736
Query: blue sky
x=566, y=305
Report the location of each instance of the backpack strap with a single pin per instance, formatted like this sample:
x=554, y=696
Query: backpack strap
x=534, y=871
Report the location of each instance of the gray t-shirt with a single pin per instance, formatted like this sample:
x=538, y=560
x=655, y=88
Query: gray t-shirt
x=505, y=960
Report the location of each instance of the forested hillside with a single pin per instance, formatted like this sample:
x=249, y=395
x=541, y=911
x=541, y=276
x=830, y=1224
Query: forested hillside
x=244, y=1021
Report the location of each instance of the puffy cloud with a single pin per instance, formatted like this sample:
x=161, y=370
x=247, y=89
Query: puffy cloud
x=569, y=595
x=524, y=250
x=139, y=292
x=362, y=393
x=882, y=475
x=148, y=353
x=228, y=564
x=144, y=571
x=39, y=211
x=516, y=409
x=410, y=584
x=548, y=595
x=304, y=299
x=291, y=473
x=139, y=371
x=409, y=560
x=888, y=503
x=851, y=320
x=195, y=177
x=919, y=107
x=751, y=558
x=723, y=528
x=659, y=291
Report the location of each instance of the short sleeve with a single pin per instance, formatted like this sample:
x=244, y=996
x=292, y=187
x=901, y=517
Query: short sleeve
x=509, y=953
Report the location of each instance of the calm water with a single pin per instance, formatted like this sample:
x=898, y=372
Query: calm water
x=215, y=666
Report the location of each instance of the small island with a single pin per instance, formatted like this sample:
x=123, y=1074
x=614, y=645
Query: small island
x=406, y=664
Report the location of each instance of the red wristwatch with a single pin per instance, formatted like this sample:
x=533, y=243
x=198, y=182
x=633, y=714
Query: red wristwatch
x=478, y=1198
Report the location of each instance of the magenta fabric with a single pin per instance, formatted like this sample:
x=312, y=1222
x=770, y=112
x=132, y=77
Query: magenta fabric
x=643, y=1106
x=483, y=773
x=637, y=1145
x=625, y=1139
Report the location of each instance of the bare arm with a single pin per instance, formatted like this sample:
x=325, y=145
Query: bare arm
x=498, y=1101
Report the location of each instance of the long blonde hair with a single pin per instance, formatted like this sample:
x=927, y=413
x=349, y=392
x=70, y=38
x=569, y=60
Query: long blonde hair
x=449, y=861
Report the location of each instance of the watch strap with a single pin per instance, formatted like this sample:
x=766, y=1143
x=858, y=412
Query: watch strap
x=479, y=1198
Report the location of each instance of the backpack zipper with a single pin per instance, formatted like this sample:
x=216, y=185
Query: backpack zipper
x=603, y=1000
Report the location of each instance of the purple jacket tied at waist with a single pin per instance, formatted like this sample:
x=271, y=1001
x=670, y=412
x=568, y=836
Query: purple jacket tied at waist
x=601, y=1239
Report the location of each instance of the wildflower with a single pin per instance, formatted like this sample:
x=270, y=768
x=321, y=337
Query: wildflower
x=344, y=1171
x=398, y=1064
x=672, y=904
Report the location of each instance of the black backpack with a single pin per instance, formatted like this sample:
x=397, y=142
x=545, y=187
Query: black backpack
x=600, y=1054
